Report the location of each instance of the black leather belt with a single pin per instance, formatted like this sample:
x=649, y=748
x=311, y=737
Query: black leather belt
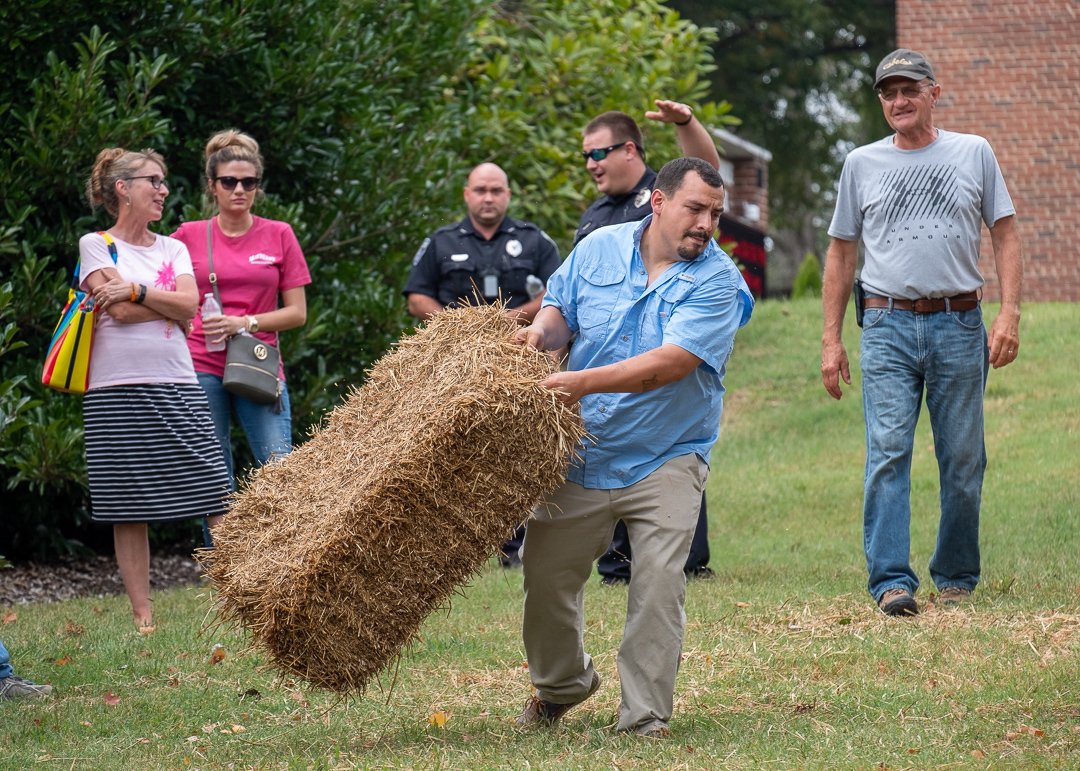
x=961, y=302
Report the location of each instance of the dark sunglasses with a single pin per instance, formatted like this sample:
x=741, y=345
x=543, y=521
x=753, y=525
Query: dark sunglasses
x=600, y=153
x=229, y=183
x=155, y=181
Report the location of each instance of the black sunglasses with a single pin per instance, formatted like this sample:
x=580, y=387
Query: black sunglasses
x=229, y=183
x=600, y=153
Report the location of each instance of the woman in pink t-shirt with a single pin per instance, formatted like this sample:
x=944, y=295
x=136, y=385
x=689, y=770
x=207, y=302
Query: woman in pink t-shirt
x=261, y=274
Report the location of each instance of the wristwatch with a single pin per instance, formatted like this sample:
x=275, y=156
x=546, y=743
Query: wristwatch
x=253, y=324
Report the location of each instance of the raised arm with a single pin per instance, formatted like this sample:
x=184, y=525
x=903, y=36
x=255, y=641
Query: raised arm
x=694, y=139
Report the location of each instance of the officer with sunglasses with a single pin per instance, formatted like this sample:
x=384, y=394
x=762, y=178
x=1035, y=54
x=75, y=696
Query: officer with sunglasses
x=615, y=159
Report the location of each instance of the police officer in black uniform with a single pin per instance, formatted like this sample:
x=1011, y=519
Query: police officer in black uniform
x=615, y=159
x=484, y=257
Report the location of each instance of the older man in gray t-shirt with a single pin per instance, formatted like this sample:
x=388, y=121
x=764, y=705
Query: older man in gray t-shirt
x=917, y=200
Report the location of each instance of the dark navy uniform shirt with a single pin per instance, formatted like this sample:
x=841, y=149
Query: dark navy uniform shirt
x=456, y=265
x=615, y=210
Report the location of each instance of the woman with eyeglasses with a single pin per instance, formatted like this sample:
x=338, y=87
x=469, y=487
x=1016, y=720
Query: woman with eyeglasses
x=261, y=274
x=150, y=451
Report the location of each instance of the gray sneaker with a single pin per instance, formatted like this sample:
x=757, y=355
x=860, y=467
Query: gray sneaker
x=19, y=688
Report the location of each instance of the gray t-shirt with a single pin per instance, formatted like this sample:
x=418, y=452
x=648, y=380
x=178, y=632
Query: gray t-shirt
x=919, y=213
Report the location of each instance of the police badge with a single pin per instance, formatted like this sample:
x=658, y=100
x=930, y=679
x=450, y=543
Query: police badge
x=642, y=197
x=513, y=247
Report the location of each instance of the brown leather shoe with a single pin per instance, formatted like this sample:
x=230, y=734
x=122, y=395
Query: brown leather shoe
x=953, y=595
x=547, y=713
x=898, y=602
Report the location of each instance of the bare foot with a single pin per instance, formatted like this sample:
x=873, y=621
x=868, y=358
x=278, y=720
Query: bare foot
x=145, y=626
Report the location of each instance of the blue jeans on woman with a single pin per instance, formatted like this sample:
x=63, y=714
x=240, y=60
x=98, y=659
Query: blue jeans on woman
x=269, y=433
x=945, y=356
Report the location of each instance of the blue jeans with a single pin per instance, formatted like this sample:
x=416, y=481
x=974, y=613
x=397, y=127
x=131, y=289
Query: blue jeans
x=905, y=355
x=269, y=433
x=5, y=662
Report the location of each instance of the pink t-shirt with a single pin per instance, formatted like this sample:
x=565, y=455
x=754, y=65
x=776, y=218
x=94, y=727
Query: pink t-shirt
x=150, y=351
x=252, y=270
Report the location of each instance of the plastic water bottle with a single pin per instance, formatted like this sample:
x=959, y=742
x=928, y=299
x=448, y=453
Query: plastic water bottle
x=211, y=308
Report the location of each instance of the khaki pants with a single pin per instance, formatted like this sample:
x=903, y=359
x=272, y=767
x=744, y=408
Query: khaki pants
x=567, y=532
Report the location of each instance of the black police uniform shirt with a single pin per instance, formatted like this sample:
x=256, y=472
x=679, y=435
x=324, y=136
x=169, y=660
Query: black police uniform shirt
x=615, y=210
x=456, y=265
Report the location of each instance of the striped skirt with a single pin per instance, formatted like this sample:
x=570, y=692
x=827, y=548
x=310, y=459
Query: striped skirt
x=152, y=455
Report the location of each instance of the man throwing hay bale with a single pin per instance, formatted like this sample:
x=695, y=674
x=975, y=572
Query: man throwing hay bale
x=328, y=556
x=655, y=306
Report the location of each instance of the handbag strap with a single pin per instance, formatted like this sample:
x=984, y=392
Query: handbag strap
x=210, y=262
x=78, y=263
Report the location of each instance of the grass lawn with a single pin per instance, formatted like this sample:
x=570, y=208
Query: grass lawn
x=787, y=662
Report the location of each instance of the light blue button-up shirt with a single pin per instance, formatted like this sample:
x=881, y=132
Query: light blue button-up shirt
x=601, y=290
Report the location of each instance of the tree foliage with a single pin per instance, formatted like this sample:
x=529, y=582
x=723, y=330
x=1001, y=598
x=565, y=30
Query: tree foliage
x=369, y=114
x=798, y=73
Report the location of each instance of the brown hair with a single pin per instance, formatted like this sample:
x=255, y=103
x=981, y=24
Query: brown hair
x=670, y=177
x=227, y=146
x=113, y=164
x=622, y=127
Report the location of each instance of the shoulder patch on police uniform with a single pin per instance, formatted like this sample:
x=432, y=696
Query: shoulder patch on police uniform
x=421, y=250
x=642, y=197
x=513, y=247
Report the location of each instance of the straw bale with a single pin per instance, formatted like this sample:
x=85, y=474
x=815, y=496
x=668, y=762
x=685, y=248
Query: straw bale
x=333, y=556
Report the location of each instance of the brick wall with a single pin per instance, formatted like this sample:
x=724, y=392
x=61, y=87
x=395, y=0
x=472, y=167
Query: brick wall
x=751, y=186
x=1010, y=71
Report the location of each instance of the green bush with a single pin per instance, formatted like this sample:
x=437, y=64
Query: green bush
x=807, y=281
x=369, y=114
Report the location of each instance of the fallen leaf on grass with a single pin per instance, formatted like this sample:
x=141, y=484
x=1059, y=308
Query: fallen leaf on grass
x=209, y=728
x=978, y=754
x=142, y=740
x=10, y=617
x=742, y=604
x=298, y=696
x=1024, y=730
x=73, y=629
x=111, y=699
x=63, y=661
x=217, y=654
x=438, y=719
x=85, y=723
